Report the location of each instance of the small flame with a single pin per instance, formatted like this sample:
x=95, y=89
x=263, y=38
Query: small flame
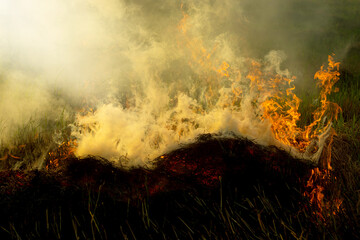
x=63, y=152
x=322, y=207
x=182, y=25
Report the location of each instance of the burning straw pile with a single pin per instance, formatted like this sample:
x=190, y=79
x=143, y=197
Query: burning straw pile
x=214, y=149
x=203, y=163
x=297, y=167
x=76, y=187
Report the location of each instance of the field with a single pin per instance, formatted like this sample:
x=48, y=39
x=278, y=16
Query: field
x=93, y=198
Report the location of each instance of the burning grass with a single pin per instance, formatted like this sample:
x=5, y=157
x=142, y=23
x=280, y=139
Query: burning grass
x=227, y=188
x=165, y=178
x=92, y=198
x=215, y=187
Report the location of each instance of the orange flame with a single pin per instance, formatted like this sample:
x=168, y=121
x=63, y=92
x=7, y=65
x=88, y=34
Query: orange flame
x=326, y=81
x=322, y=207
x=282, y=109
x=276, y=102
x=63, y=152
x=276, y=99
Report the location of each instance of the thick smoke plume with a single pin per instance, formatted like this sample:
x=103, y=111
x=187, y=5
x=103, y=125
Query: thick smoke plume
x=136, y=78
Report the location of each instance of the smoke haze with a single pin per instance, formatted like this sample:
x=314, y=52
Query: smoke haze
x=153, y=72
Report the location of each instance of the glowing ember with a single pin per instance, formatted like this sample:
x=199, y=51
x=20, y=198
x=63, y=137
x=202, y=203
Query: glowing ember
x=321, y=206
x=63, y=152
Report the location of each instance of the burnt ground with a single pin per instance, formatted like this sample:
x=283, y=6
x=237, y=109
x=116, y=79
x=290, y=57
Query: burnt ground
x=181, y=196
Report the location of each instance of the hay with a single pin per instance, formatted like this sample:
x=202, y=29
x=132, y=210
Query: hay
x=204, y=164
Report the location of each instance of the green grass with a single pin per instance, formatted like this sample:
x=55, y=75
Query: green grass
x=28, y=143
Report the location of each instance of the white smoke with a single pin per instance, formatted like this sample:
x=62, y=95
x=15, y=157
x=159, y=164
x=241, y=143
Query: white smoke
x=152, y=86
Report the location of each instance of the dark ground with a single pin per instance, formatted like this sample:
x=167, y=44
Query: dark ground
x=200, y=190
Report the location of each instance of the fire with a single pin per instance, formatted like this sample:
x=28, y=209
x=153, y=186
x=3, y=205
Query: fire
x=63, y=152
x=273, y=100
x=280, y=106
x=281, y=109
x=322, y=207
x=222, y=94
x=225, y=92
x=272, y=93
